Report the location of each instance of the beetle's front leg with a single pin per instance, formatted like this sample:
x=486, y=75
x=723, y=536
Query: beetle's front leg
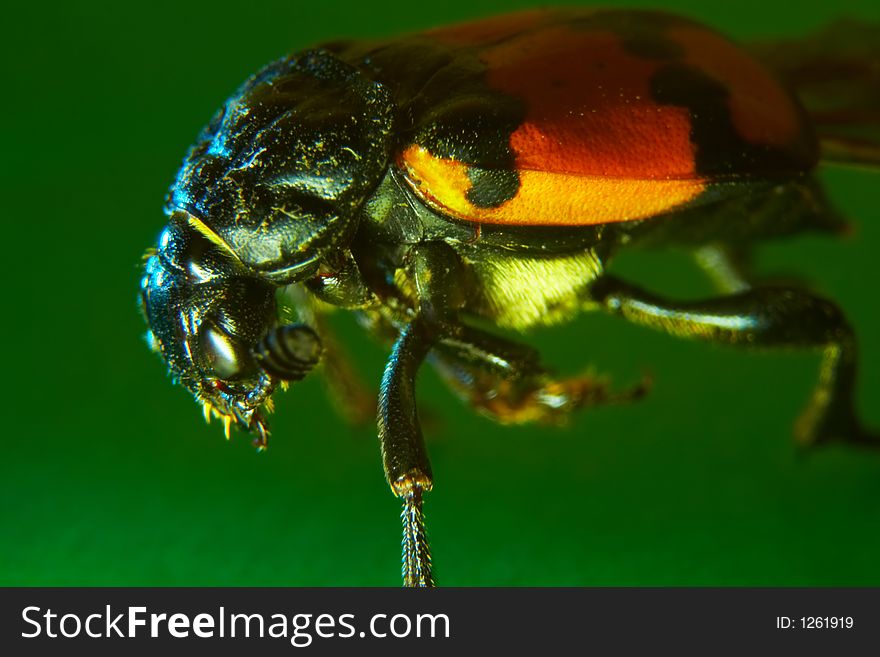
x=773, y=317
x=403, y=449
x=437, y=274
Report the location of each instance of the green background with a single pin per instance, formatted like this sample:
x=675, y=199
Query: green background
x=108, y=475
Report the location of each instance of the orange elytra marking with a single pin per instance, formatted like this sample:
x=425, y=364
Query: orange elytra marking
x=546, y=198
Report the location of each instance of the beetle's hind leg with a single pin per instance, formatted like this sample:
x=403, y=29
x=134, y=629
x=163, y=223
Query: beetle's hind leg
x=772, y=317
x=506, y=381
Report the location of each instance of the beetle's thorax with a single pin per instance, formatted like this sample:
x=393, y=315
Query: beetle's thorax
x=279, y=174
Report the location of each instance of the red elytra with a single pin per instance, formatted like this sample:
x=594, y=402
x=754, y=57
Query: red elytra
x=610, y=110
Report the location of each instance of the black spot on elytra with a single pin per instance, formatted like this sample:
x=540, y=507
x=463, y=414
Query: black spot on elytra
x=474, y=129
x=460, y=117
x=720, y=149
x=491, y=188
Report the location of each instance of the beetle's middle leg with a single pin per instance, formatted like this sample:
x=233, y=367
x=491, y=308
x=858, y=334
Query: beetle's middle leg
x=726, y=266
x=505, y=380
x=774, y=317
x=730, y=269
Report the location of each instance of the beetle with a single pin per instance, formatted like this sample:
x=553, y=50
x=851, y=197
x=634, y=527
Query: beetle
x=484, y=175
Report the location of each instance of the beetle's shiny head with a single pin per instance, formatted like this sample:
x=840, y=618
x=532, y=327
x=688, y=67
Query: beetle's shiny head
x=217, y=329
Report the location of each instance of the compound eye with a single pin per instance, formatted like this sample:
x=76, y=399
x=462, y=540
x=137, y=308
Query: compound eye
x=201, y=259
x=190, y=251
x=223, y=355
